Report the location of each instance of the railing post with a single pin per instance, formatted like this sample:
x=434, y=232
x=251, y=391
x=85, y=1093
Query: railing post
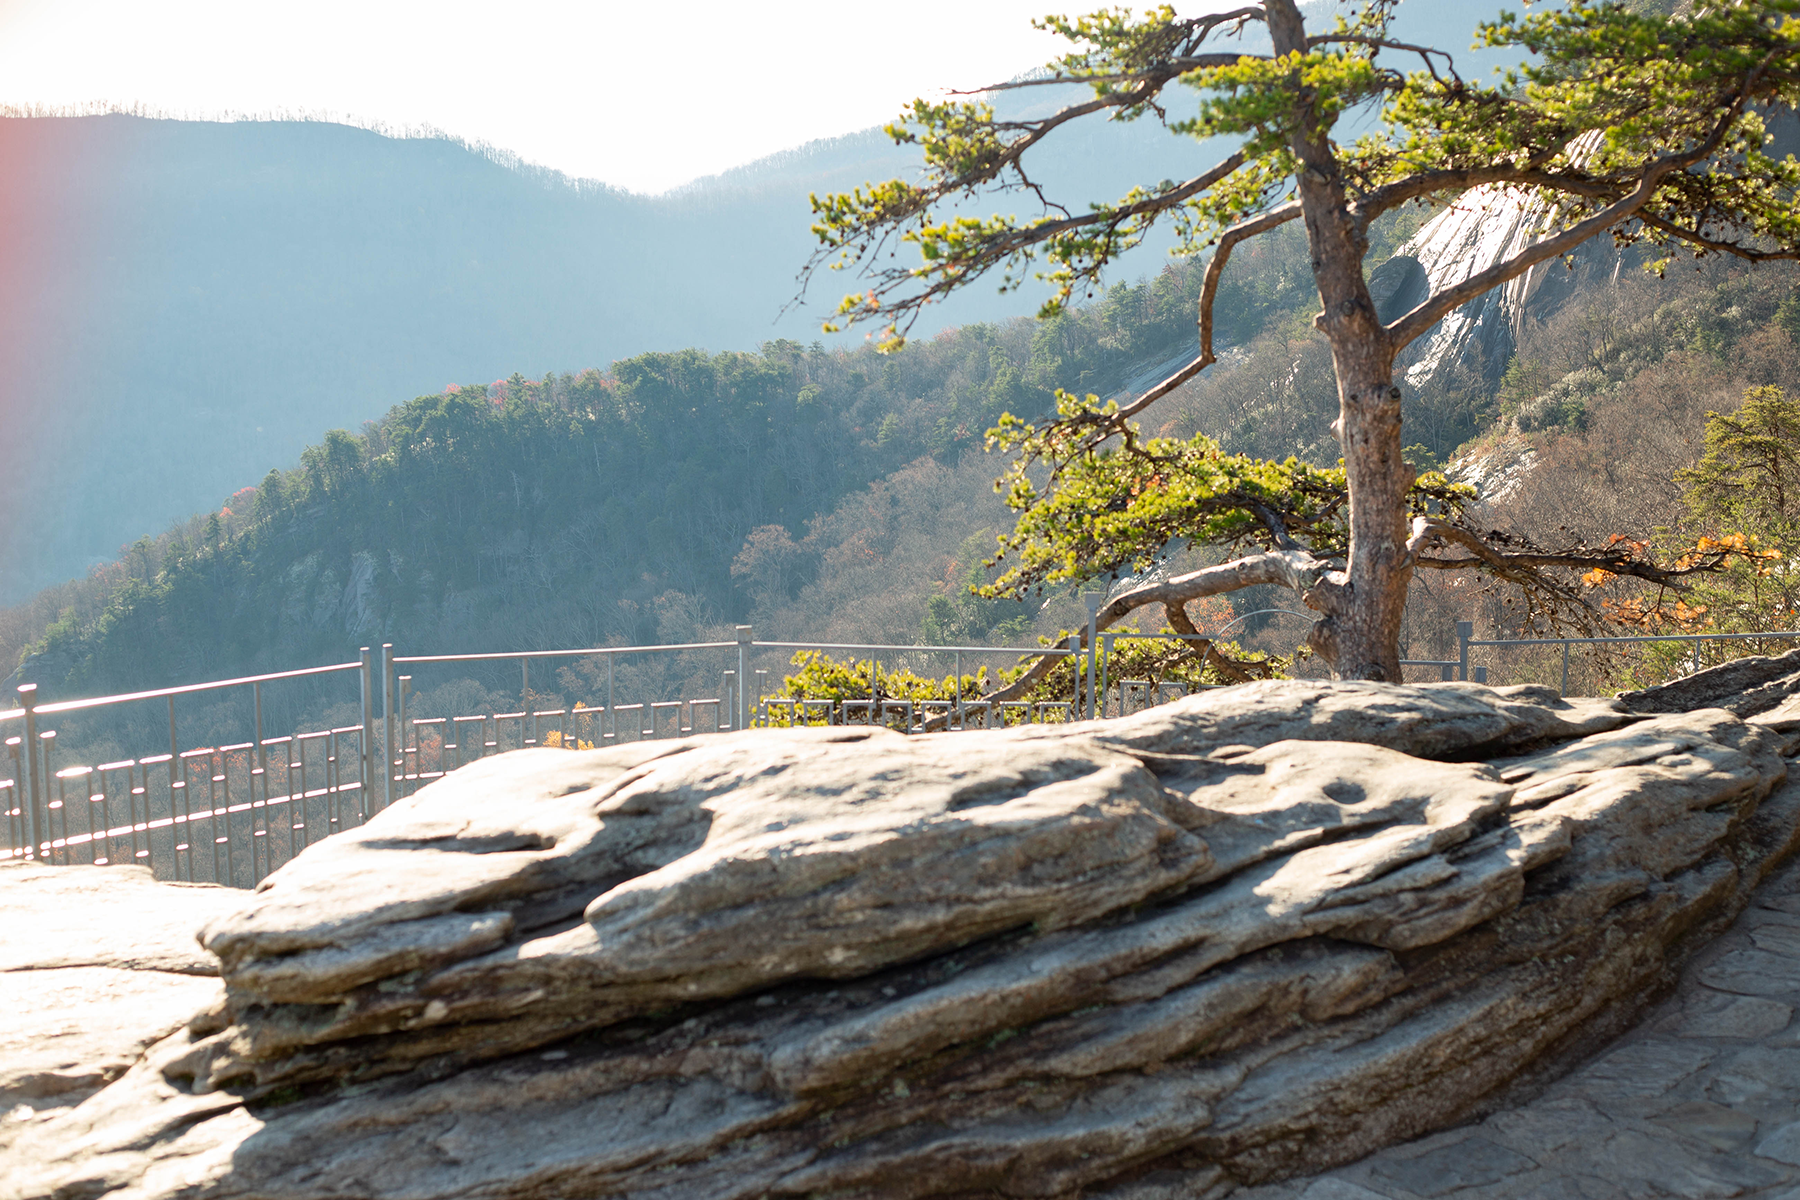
x=366, y=803
x=16, y=822
x=961, y=717
x=41, y=770
x=262, y=756
x=387, y=724
x=174, y=754
x=743, y=677
x=32, y=781
x=260, y=770
x=1564, y=691
x=1465, y=631
x=1107, y=645
x=1093, y=600
x=1075, y=670
x=405, y=688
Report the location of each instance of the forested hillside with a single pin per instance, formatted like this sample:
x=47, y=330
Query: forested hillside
x=605, y=506
x=1602, y=416
x=1584, y=432
x=187, y=302
x=844, y=495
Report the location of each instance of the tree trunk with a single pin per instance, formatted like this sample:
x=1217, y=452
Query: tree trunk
x=1364, y=618
x=1359, y=633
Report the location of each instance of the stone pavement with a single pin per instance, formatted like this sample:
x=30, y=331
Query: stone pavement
x=1701, y=1100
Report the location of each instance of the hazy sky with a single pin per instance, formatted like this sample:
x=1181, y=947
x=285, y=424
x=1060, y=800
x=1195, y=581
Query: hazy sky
x=643, y=95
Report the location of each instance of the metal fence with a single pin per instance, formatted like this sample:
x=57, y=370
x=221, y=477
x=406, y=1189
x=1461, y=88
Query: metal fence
x=229, y=813
x=1466, y=640
x=233, y=812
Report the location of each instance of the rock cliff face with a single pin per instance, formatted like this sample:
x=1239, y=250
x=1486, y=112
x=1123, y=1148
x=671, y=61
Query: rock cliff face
x=1485, y=226
x=1250, y=934
x=1482, y=227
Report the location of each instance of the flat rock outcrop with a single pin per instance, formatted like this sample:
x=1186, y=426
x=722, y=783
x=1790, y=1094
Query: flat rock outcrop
x=97, y=964
x=1254, y=933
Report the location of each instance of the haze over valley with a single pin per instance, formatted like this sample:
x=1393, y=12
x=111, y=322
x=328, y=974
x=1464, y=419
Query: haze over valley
x=616, y=433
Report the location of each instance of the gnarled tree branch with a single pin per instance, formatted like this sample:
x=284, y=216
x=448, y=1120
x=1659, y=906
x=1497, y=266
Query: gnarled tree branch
x=1296, y=569
x=1525, y=567
x=1209, y=290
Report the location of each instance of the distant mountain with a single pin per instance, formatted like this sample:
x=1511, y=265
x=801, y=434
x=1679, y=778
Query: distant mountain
x=659, y=502
x=185, y=304
x=188, y=303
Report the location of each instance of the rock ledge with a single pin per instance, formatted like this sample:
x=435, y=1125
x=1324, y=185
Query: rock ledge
x=1248, y=935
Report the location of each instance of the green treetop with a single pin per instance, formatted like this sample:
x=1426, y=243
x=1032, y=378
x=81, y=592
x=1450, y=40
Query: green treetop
x=1644, y=126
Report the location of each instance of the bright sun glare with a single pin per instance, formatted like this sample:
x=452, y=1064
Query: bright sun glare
x=643, y=96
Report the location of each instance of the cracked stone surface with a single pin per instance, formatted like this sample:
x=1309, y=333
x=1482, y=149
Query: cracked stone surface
x=1701, y=1100
x=1262, y=932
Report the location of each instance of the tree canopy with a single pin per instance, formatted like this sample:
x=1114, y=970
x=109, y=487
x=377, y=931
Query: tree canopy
x=1650, y=127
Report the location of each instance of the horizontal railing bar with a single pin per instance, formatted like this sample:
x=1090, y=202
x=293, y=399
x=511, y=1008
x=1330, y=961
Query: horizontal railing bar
x=194, y=818
x=1063, y=650
x=516, y=654
x=1161, y=637
x=185, y=689
x=1670, y=637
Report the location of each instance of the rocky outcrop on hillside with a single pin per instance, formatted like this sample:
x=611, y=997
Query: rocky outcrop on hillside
x=1482, y=227
x=1253, y=933
x=1496, y=467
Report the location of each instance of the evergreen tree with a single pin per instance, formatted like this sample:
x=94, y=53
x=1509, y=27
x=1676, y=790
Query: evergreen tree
x=1639, y=124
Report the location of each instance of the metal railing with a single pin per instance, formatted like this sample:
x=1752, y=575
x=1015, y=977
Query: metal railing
x=233, y=812
x=428, y=748
x=1466, y=639
x=229, y=813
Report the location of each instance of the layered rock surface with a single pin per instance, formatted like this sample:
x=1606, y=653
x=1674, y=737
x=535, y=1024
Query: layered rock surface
x=1246, y=935
x=1744, y=686
x=1698, y=1102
